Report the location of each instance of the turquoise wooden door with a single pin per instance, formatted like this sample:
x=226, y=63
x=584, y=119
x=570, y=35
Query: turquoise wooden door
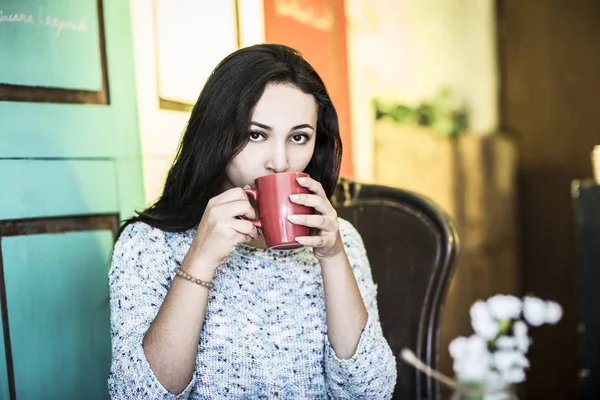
x=70, y=170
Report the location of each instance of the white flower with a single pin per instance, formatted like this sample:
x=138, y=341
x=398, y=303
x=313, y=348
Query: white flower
x=481, y=320
x=506, y=342
x=479, y=310
x=493, y=379
x=486, y=328
x=510, y=364
x=521, y=338
x=554, y=312
x=534, y=311
x=505, y=360
x=520, y=329
x=458, y=347
x=504, y=307
x=471, y=358
x=537, y=311
x=514, y=375
x=493, y=321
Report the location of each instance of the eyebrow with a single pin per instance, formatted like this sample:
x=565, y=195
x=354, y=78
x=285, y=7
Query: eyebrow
x=267, y=127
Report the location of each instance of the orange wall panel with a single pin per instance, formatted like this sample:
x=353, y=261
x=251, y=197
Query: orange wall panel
x=317, y=28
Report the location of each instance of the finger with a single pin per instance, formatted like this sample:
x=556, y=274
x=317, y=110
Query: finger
x=312, y=241
x=245, y=228
x=228, y=196
x=320, y=204
x=236, y=208
x=312, y=185
x=320, y=222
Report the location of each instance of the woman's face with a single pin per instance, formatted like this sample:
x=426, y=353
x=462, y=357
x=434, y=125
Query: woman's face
x=282, y=135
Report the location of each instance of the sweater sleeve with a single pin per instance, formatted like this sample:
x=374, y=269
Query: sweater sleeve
x=371, y=372
x=138, y=279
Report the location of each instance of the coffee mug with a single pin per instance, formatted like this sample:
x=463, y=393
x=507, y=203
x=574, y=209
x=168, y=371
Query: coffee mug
x=272, y=195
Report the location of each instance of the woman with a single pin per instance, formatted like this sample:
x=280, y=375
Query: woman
x=237, y=320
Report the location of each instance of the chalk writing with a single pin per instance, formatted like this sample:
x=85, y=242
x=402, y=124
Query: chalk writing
x=48, y=21
x=60, y=24
x=305, y=13
x=23, y=18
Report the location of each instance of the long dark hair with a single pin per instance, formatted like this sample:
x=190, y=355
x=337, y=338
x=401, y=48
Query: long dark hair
x=218, y=130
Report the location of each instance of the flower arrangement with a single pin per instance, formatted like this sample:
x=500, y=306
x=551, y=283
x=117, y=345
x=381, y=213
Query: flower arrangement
x=488, y=363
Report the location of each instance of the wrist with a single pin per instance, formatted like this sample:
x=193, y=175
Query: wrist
x=335, y=258
x=199, y=268
x=334, y=255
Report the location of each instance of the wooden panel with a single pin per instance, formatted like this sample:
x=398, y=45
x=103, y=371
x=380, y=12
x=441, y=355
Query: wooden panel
x=32, y=188
x=57, y=297
x=549, y=56
x=56, y=131
x=586, y=205
x=45, y=39
x=55, y=310
x=51, y=130
x=4, y=392
x=48, y=39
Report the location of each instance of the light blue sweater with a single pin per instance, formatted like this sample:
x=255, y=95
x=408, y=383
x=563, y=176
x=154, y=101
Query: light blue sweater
x=264, y=334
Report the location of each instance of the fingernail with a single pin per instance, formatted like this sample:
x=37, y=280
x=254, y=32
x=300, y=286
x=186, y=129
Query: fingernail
x=294, y=196
x=300, y=239
x=293, y=217
x=247, y=187
x=301, y=179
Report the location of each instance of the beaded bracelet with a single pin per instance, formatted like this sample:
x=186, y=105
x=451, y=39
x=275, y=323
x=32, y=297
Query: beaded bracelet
x=186, y=276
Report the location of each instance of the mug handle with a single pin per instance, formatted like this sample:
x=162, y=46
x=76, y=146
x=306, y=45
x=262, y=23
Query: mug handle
x=254, y=194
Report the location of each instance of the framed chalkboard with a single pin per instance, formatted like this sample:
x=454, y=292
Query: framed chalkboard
x=53, y=51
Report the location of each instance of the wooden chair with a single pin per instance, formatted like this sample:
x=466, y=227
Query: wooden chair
x=413, y=248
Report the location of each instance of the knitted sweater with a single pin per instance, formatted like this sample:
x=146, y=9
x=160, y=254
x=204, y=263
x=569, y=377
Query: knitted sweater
x=264, y=333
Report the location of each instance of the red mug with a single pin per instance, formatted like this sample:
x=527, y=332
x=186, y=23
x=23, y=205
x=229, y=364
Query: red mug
x=272, y=195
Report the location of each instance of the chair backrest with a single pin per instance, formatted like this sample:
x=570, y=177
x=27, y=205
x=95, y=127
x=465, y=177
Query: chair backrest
x=413, y=248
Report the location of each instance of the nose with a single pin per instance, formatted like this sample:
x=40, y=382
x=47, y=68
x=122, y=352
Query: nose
x=277, y=160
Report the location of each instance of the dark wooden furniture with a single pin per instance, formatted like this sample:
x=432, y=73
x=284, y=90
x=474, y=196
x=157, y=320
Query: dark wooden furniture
x=586, y=204
x=413, y=247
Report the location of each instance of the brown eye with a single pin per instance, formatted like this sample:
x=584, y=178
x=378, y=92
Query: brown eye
x=300, y=138
x=256, y=136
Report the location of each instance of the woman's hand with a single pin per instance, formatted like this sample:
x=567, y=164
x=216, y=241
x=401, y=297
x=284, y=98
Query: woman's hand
x=327, y=243
x=220, y=229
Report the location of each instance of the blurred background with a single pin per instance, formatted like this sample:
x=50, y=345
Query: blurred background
x=488, y=107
